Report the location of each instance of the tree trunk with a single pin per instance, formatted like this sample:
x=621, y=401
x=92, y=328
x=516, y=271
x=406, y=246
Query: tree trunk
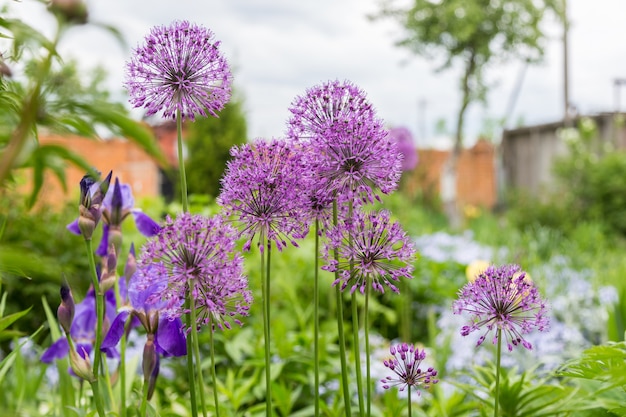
x=448, y=185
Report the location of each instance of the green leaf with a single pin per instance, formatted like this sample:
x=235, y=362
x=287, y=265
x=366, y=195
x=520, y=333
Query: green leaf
x=12, y=318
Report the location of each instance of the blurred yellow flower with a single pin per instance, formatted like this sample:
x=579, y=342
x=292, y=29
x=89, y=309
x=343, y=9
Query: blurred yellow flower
x=475, y=268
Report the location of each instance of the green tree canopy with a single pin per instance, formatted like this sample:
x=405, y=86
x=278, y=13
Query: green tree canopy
x=209, y=140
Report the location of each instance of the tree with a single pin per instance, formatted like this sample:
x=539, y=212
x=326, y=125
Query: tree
x=208, y=143
x=39, y=89
x=475, y=34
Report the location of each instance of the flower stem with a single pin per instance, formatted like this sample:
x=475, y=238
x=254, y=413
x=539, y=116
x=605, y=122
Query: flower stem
x=409, y=395
x=357, y=353
x=342, y=338
x=316, y=323
x=190, y=370
x=196, y=349
x=181, y=161
x=265, y=271
x=498, y=354
x=213, y=375
x=144, y=400
x=367, y=345
x=122, y=364
x=99, y=320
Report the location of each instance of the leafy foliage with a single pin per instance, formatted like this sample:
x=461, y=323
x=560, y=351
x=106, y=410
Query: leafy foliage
x=47, y=93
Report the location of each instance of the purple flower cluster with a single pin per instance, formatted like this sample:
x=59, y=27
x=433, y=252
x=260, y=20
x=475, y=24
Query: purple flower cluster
x=349, y=152
x=370, y=248
x=405, y=363
x=196, y=253
x=501, y=298
x=179, y=68
x=264, y=186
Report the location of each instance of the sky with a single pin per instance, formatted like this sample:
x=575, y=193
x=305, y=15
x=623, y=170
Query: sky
x=280, y=48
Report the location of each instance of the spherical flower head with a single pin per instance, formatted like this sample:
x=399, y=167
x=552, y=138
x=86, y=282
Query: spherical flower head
x=405, y=363
x=264, y=187
x=349, y=152
x=502, y=298
x=371, y=248
x=196, y=253
x=326, y=105
x=179, y=68
x=404, y=141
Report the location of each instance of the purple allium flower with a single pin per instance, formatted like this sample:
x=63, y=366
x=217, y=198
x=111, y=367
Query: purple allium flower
x=328, y=106
x=404, y=141
x=264, y=186
x=351, y=153
x=502, y=298
x=179, y=68
x=196, y=252
x=405, y=364
x=168, y=336
x=83, y=328
x=373, y=247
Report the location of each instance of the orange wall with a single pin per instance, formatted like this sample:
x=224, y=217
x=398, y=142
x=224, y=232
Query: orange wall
x=476, y=181
x=127, y=161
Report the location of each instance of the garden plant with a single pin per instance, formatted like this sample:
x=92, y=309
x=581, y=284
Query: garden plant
x=312, y=286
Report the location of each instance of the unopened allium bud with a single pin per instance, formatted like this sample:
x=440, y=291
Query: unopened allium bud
x=65, y=312
x=81, y=365
x=73, y=11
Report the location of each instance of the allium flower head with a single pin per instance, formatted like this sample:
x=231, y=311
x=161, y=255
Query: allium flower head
x=179, y=68
x=264, y=186
x=350, y=152
x=404, y=141
x=196, y=253
x=328, y=106
x=405, y=363
x=373, y=247
x=501, y=298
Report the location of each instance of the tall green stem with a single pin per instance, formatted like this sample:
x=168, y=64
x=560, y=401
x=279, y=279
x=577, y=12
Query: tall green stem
x=188, y=321
x=409, y=395
x=316, y=321
x=213, y=375
x=356, y=343
x=265, y=286
x=190, y=369
x=357, y=352
x=99, y=319
x=366, y=326
x=342, y=338
x=196, y=348
x=144, y=399
x=181, y=161
x=122, y=364
x=498, y=354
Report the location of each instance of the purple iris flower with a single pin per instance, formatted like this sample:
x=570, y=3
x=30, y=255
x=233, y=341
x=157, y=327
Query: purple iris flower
x=117, y=205
x=83, y=328
x=167, y=334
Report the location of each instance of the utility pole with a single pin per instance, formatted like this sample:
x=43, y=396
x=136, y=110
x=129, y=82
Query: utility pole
x=566, y=114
